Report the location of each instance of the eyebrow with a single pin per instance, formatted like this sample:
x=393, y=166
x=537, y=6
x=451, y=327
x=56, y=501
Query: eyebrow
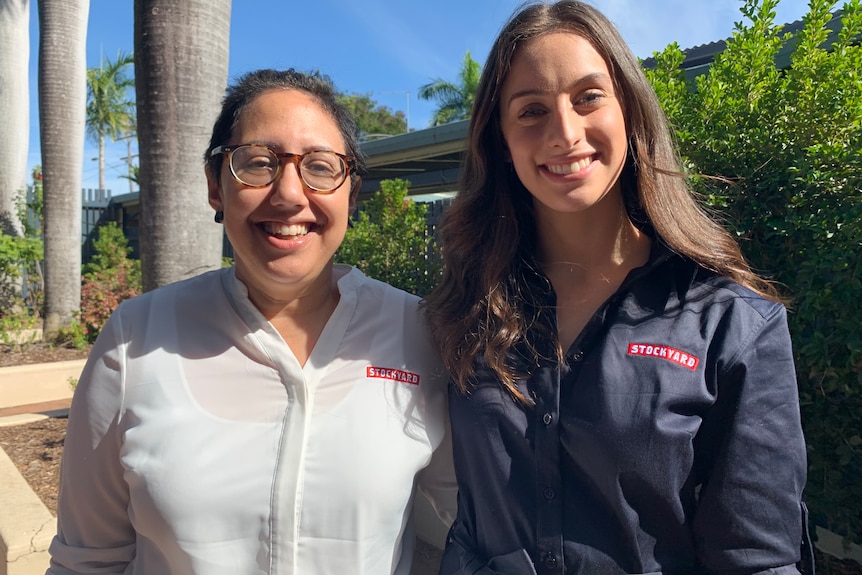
x=278, y=148
x=589, y=78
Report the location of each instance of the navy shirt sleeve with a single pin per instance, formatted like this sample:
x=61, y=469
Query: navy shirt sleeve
x=751, y=454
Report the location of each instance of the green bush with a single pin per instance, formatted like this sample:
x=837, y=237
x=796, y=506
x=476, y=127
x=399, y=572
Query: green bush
x=789, y=144
x=108, y=279
x=21, y=282
x=390, y=241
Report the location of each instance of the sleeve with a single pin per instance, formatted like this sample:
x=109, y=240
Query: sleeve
x=94, y=531
x=751, y=457
x=437, y=481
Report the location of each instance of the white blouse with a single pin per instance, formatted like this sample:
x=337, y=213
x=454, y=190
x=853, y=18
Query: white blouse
x=197, y=444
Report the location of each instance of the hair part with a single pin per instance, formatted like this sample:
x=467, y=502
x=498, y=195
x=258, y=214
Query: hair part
x=485, y=308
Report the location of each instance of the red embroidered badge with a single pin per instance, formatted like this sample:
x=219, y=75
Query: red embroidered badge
x=664, y=352
x=392, y=374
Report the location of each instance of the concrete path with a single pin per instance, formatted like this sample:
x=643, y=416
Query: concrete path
x=39, y=388
x=28, y=393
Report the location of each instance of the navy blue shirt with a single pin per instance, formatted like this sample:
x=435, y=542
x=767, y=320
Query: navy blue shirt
x=668, y=441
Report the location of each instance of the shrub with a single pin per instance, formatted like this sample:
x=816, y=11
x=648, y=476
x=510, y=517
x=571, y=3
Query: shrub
x=389, y=240
x=107, y=280
x=790, y=143
x=21, y=282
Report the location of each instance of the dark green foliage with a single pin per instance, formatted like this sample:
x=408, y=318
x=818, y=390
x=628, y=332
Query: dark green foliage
x=107, y=280
x=390, y=241
x=371, y=118
x=21, y=282
x=19, y=264
x=790, y=144
x=111, y=250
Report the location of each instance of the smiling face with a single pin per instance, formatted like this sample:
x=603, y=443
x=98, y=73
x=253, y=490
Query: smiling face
x=283, y=235
x=563, y=124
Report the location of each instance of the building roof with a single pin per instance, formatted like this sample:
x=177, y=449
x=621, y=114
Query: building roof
x=698, y=58
x=429, y=159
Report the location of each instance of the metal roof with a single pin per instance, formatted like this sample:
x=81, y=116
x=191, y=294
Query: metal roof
x=699, y=58
x=428, y=159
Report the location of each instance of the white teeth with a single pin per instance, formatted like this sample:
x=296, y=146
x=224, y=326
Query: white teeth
x=563, y=169
x=284, y=230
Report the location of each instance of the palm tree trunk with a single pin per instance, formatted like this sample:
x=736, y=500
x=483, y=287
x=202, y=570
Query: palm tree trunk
x=14, y=110
x=62, y=116
x=181, y=58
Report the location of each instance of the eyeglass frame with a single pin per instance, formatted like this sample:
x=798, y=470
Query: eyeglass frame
x=295, y=159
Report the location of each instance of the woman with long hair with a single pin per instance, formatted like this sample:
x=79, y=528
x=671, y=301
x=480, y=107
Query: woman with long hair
x=623, y=395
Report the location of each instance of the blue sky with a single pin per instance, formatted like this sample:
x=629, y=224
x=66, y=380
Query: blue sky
x=385, y=48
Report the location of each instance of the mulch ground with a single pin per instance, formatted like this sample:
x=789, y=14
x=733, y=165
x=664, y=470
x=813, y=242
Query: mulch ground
x=39, y=352
x=35, y=449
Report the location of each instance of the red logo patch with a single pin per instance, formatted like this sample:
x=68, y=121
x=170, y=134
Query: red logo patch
x=392, y=374
x=664, y=352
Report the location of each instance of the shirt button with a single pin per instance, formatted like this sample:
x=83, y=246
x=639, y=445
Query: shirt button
x=548, y=418
x=549, y=493
x=549, y=561
x=578, y=356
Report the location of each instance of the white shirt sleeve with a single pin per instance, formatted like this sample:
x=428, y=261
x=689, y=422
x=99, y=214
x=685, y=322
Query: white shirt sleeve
x=94, y=531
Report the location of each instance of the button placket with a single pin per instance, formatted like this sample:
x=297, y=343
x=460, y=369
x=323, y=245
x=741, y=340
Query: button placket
x=549, y=561
x=548, y=558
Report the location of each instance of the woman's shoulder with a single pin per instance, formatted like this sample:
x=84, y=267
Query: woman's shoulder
x=368, y=288
x=699, y=285
x=724, y=289
x=193, y=289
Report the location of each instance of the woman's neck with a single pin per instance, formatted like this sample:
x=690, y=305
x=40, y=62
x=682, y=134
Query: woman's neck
x=586, y=257
x=597, y=240
x=299, y=315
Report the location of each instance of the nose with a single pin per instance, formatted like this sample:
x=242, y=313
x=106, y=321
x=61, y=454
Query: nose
x=288, y=188
x=566, y=127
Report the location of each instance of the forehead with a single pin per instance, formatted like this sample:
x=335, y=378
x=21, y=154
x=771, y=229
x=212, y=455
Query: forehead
x=552, y=62
x=281, y=112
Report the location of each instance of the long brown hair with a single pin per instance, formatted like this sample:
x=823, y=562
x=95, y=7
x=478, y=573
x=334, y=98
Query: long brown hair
x=484, y=306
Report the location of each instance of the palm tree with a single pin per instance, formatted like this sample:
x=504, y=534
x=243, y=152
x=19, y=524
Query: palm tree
x=455, y=100
x=181, y=61
x=110, y=112
x=15, y=106
x=62, y=120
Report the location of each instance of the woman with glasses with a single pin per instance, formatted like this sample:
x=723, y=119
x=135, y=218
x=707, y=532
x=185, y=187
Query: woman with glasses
x=277, y=416
x=623, y=394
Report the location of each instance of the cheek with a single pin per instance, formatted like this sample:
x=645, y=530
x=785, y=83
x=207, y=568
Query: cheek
x=335, y=208
x=522, y=142
x=240, y=203
x=613, y=125
x=522, y=162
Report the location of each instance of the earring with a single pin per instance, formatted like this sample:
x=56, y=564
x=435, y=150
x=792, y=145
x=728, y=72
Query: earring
x=219, y=217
